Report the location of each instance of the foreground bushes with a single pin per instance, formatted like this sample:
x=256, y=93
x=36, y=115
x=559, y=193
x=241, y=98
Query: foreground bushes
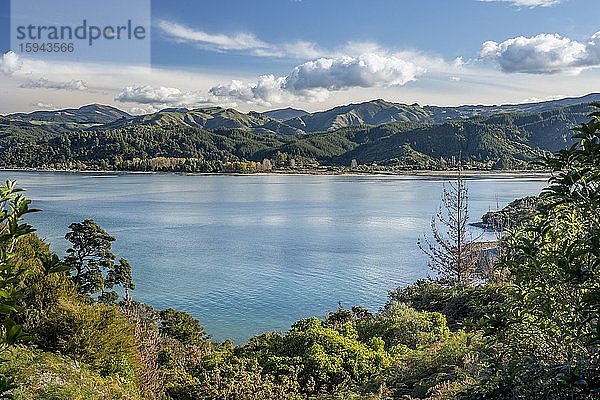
x=461, y=305
x=130, y=351
x=44, y=375
x=97, y=334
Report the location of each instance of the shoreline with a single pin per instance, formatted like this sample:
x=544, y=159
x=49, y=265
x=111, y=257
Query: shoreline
x=506, y=174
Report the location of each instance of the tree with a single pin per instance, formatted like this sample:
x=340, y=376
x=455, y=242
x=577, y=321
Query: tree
x=267, y=165
x=452, y=253
x=323, y=360
x=548, y=332
x=13, y=207
x=92, y=262
x=181, y=326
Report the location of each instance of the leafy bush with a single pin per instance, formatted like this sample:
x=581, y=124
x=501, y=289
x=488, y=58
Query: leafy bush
x=97, y=334
x=181, y=326
x=461, y=305
x=47, y=376
x=399, y=324
x=548, y=330
x=442, y=369
x=217, y=371
x=325, y=360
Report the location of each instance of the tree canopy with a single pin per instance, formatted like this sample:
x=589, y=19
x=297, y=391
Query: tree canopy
x=92, y=262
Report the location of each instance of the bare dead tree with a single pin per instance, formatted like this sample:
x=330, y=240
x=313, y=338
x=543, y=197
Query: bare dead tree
x=452, y=252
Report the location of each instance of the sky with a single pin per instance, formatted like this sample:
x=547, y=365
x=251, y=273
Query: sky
x=316, y=54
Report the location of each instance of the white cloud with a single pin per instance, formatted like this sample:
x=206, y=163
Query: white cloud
x=116, y=84
x=43, y=83
x=241, y=42
x=45, y=106
x=428, y=62
x=313, y=80
x=266, y=90
x=303, y=49
x=161, y=97
x=536, y=99
x=10, y=63
x=543, y=54
x=367, y=70
x=146, y=109
x=527, y=3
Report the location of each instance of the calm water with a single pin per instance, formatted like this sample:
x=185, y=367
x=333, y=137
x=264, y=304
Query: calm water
x=248, y=254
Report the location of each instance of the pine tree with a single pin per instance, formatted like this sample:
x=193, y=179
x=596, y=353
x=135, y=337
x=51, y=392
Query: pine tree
x=453, y=254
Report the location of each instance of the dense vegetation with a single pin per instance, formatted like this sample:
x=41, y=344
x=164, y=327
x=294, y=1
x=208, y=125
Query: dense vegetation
x=531, y=331
x=370, y=136
x=513, y=214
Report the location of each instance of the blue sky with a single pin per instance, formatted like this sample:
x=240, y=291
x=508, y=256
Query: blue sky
x=448, y=28
x=316, y=54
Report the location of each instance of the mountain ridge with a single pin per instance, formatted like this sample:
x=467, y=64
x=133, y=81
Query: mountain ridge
x=216, y=139
x=289, y=120
x=88, y=114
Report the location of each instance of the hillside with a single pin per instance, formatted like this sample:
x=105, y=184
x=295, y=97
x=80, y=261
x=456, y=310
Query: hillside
x=388, y=135
x=294, y=121
x=488, y=145
x=284, y=114
x=442, y=114
x=93, y=114
x=374, y=112
x=212, y=118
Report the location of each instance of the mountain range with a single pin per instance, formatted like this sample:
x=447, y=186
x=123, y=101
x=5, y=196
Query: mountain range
x=374, y=132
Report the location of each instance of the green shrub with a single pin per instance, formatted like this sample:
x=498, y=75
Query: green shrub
x=46, y=376
x=181, y=326
x=460, y=304
x=443, y=368
x=98, y=334
x=28, y=250
x=327, y=360
x=218, y=373
x=399, y=324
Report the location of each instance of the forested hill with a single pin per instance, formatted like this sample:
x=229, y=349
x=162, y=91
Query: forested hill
x=376, y=134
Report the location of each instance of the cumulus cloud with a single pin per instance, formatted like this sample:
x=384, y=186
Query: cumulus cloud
x=266, y=90
x=527, y=3
x=10, y=63
x=43, y=83
x=313, y=80
x=367, y=70
x=160, y=97
x=543, y=54
x=143, y=109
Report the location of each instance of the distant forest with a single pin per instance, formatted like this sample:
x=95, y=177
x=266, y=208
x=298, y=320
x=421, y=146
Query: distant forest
x=369, y=136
